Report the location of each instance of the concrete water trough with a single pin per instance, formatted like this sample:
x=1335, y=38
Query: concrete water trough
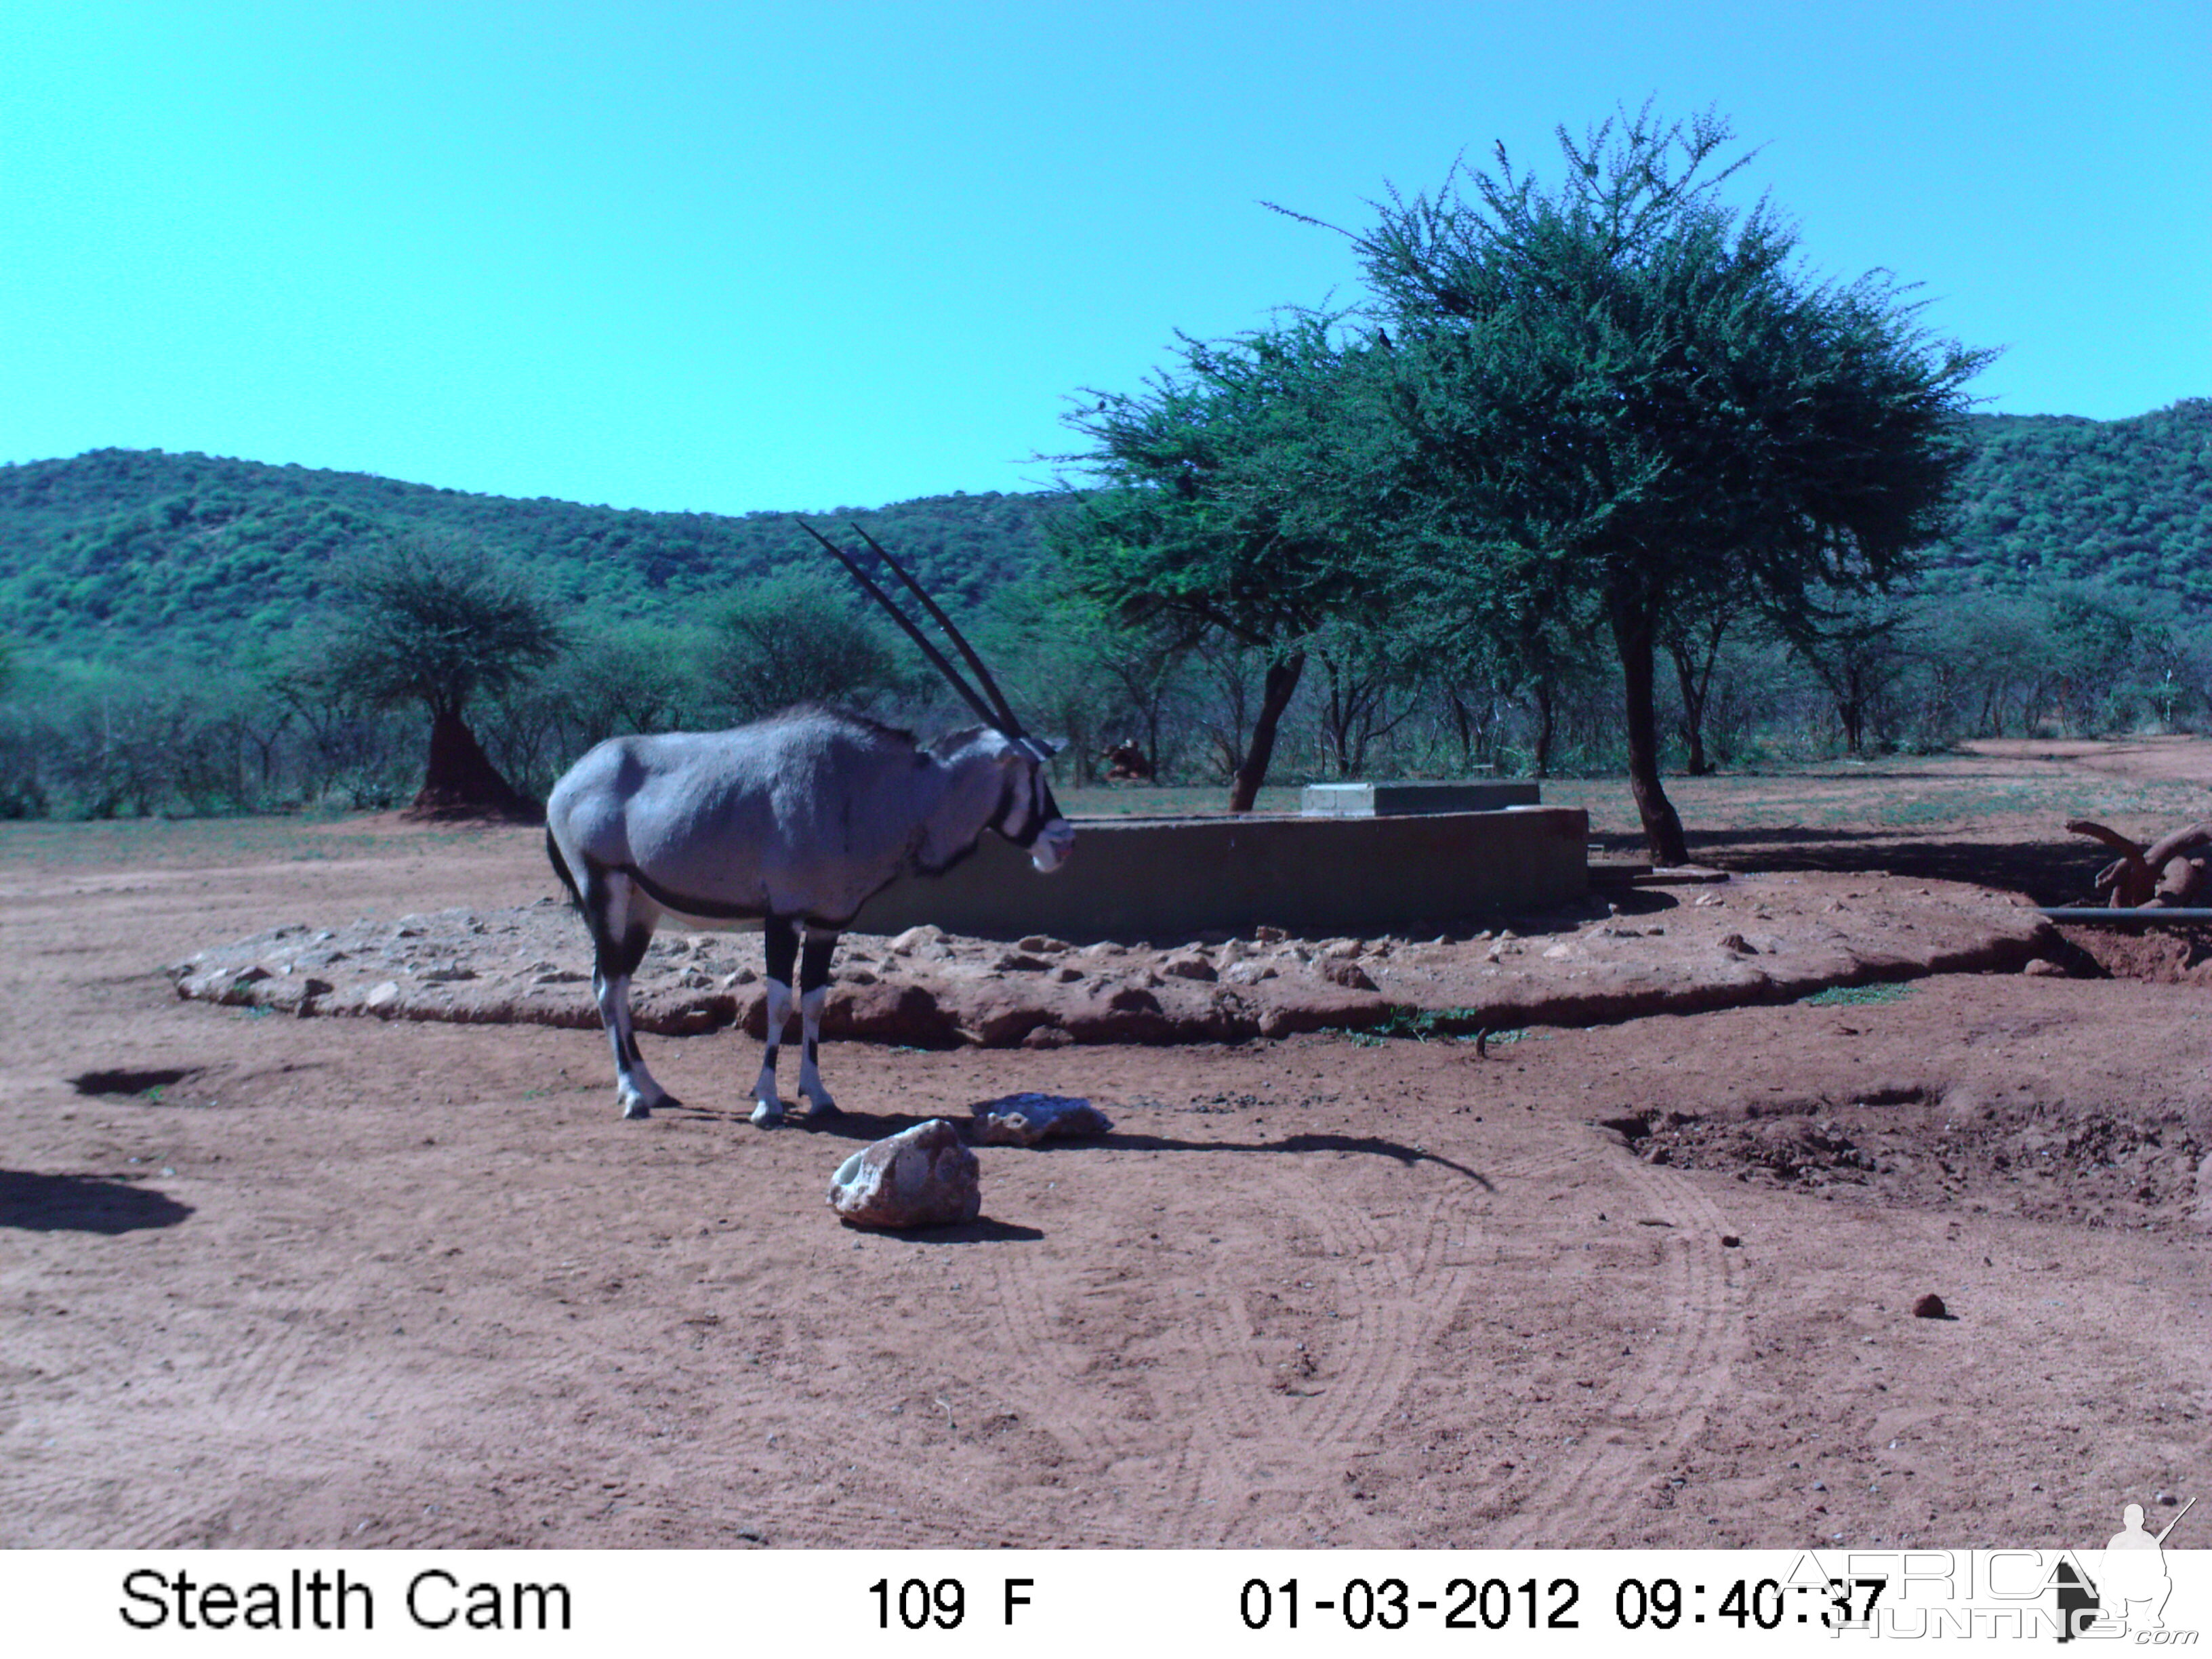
x=1398, y=865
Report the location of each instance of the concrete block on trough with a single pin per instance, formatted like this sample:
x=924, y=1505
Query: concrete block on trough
x=1382, y=800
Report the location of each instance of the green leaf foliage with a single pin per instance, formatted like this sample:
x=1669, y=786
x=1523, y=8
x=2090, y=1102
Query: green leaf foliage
x=1223, y=497
x=2045, y=499
x=796, y=638
x=137, y=555
x=434, y=622
x=1621, y=399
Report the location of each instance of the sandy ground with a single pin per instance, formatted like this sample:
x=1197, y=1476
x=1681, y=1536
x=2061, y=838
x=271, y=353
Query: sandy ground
x=279, y=1281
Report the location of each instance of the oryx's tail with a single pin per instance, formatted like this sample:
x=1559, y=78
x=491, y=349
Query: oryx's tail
x=561, y=869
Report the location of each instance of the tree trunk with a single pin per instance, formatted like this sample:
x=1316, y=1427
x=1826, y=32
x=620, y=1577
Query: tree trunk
x=1281, y=681
x=461, y=782
x=1546, y=724
x=1695, y=679
x=1663, y=830
x=1693, y=709
x=1851, y=711
x=1463, y=721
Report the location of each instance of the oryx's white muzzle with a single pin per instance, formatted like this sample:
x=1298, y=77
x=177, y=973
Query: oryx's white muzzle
x=1054, y=843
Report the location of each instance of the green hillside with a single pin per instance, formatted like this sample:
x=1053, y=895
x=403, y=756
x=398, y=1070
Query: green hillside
x=123, y=555
x=2051, y=498
x=126, y=555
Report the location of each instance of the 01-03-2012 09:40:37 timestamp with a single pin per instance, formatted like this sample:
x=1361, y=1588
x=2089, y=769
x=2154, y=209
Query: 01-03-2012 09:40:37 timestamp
x=1495, y=1604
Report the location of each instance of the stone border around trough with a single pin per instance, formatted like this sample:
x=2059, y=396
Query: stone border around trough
x=1756, y=939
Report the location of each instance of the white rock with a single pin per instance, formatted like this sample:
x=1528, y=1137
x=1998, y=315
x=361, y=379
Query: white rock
x=921, y=1178
x=1023, y=1120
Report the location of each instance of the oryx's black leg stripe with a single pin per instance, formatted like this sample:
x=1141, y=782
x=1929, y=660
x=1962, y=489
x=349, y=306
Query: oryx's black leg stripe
x=633, y=949
x=783, y=936
x=592, y=900
x=813, y=974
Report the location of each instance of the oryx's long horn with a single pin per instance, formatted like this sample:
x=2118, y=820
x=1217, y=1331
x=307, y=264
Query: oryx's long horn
x=1006, y=721
x=968, y=694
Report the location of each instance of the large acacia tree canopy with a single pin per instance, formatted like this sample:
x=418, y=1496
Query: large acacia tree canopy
x=1220, y=488
x=1234, y=499
x=1620, y=398
x=1625, y=387
x=436, y=624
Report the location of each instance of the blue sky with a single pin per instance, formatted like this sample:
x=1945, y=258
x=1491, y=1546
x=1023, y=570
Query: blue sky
x=734, y=257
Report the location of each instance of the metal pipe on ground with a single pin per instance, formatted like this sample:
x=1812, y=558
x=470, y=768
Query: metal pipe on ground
x=2095, y=915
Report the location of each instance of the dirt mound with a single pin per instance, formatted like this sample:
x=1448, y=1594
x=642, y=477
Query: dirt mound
x=2175, y=954
x=2042, y=1160
x=1648, y=950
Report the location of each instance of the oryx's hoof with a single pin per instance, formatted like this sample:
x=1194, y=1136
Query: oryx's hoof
x=635, y=1106
x=824, y=1109
x=768, y=1114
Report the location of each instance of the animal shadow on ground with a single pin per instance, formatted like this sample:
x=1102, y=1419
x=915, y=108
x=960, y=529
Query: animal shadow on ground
x=83, y=1203
x=870, y=1127
x=1371, y=1146
x=2049, y=873
x=131, y=1082
x=981, y=1231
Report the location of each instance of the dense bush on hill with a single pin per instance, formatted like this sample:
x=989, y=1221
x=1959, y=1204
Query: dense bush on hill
x=2051, y=498
x=2076, y=598
x=127, y=555
x=123, y=556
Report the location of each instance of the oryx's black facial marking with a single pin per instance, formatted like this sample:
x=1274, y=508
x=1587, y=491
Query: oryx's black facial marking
x=1026, y=806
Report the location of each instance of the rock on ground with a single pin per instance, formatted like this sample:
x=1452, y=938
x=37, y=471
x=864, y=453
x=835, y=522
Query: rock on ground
x=1023, y=1120
x=924, y=1176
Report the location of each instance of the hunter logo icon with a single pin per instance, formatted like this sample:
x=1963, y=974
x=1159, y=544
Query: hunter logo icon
x=2132, y=1584
x=2135, y=1584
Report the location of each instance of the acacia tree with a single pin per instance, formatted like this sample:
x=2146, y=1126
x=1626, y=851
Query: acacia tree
x=437, y=624
x=1223, y=505
x=1692, y=642
x=1619, y=395
x=790, y=639
x=1071, y=668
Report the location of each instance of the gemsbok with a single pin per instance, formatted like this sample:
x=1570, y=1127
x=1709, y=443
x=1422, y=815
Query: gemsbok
x=792, y=821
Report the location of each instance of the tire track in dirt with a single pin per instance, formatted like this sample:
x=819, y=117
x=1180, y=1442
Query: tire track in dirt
x=1397, y=1294
x=298, y=1373
x=1057, y=1389
x=1668, y=1395
x=1201, y=1430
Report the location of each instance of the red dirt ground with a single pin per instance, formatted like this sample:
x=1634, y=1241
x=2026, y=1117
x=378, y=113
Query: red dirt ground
x=276, y=1281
